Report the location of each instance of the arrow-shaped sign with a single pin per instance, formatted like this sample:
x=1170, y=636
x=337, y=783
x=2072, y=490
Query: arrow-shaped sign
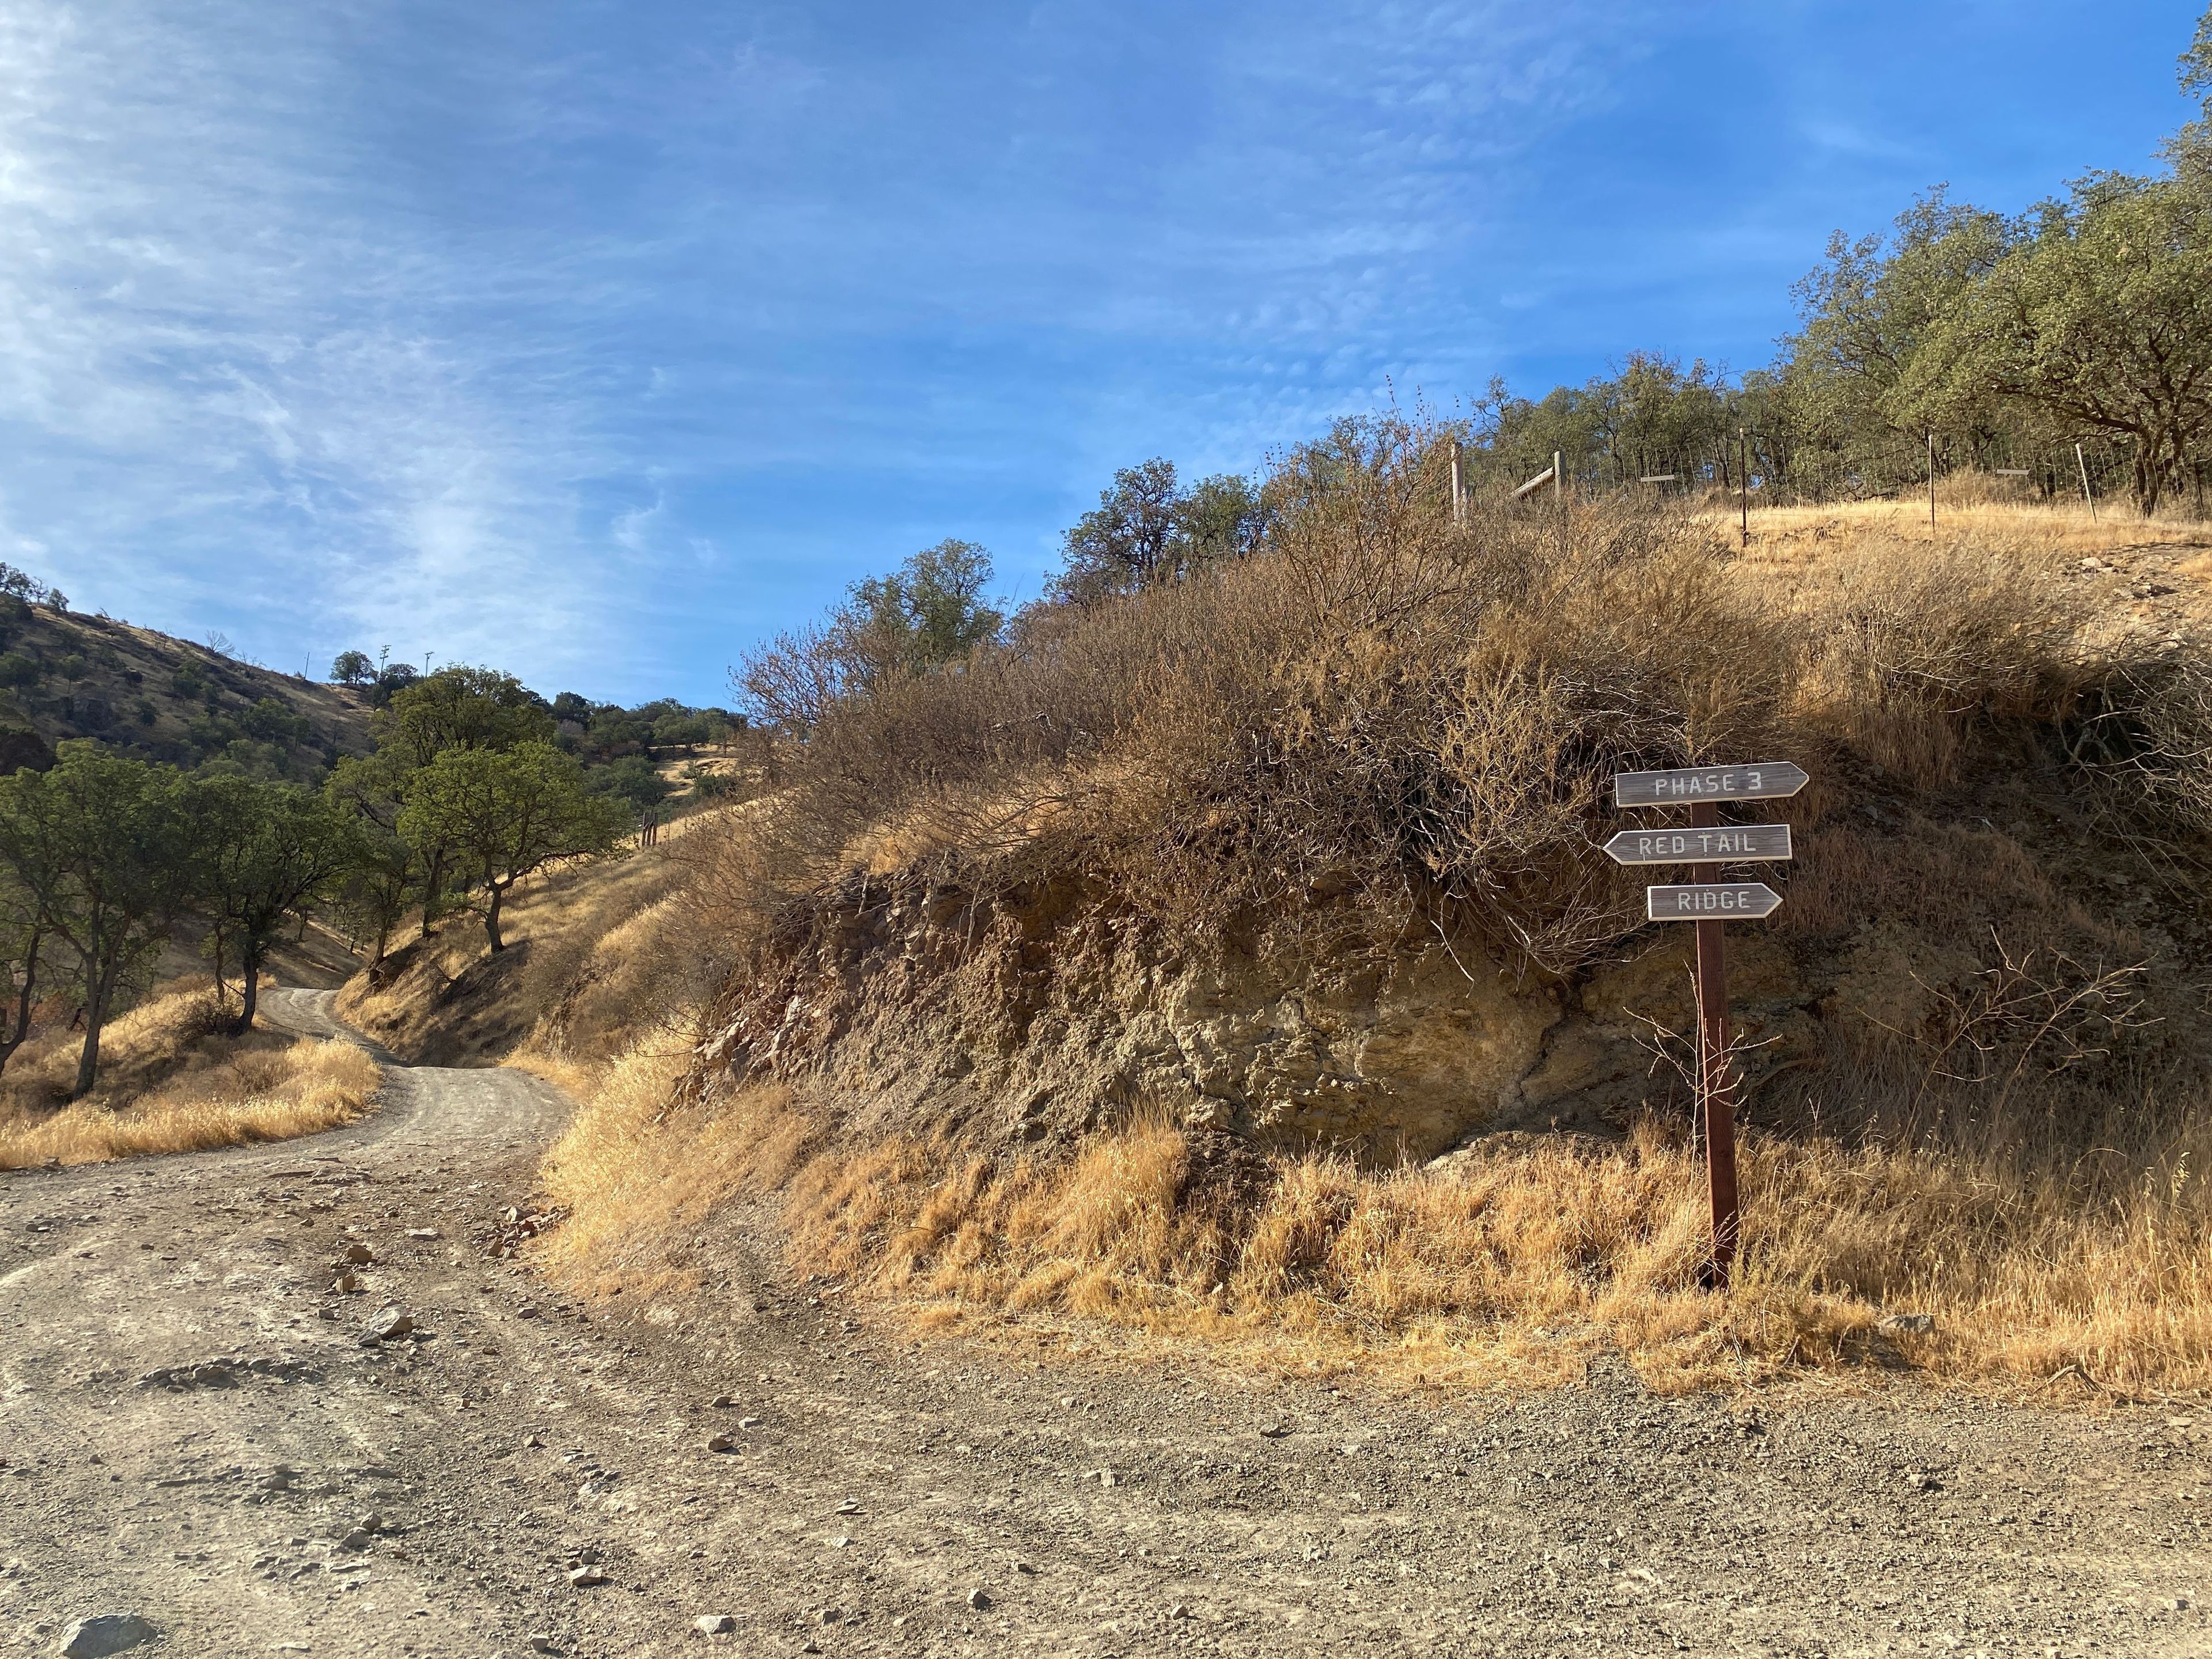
x=1723, y=845
x=1711, y=901
x=1761, y=781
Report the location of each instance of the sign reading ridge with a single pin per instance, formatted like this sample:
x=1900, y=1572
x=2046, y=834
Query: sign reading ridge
x=1761, y=781
x=1711, y=901
x=1722, y=846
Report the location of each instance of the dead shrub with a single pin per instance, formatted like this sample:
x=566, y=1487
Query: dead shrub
x=1906, y=655
x=1428, y=713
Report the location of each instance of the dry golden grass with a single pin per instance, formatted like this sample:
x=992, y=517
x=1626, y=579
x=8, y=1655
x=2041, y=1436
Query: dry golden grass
x=589, y=965
x=173, y=1082
x=1514, y=1265
x=1961, y=514
x=637, y=1181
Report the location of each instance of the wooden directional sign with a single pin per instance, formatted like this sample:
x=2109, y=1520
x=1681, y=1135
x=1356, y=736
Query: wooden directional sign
x=1722, y=846
x=1761, y=781
x=1711, y=901
x=1712, y=904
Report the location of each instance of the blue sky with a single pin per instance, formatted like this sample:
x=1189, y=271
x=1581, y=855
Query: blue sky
x=594, y=340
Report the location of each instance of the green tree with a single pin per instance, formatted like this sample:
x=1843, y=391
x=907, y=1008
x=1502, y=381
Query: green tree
x=381, y=876
x=2196, y=65
x=684, y=732
x=460, y=709
x=1868, y=311
x=512, y=812
x=23, y=936
x=927, y=613
x=2100, y=319
x=266, y=852
x=352, y=668
x=453, y=709
x=925, y=617
x=1128, y=540
x=633, y=779
x=102, y=847
x=1220, y=518
x=1149, y=528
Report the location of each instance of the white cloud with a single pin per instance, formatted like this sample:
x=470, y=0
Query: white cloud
x=633, y=532
x=237, y=380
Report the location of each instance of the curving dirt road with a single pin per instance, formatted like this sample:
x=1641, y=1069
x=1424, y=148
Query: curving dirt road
x=192, y=1430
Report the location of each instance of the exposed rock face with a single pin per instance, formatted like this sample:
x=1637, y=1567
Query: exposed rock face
x=1414, y=1052
x=1051, y=1010
x=1041, y=1019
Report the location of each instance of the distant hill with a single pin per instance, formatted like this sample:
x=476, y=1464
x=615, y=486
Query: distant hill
x=148, y=695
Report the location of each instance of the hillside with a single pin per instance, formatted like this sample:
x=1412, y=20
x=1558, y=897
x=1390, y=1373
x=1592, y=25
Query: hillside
x=1235, y=962
x=155, y=697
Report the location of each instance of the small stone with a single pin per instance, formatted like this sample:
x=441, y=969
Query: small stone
x=422, y=1232
x=1027, y=1569
x=2179, y=1604
x=105, y=1633
x=356, y=1539
x=1921, y=1480
x=1178, y=1611
x=1103, y=1477
x=389, y=1325
x=749, y=1422
x=372, y=1523
x=586, y=1577
x=832, y=1616
x=979, y=1599
x=721, y=1401
x=1276, y=1430
x=1909, y=1324
x=279, y=1478
x=541, y=1642
x=722, y=1442
x=810, y=1646
x=714, y=1623
x=357, y=1253
x=850, y=1506
x=840, y=1542
x=346, y=1283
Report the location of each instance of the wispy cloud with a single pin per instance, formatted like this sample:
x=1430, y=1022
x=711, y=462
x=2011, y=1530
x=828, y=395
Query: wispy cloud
x=237, y=375
x=595, y=340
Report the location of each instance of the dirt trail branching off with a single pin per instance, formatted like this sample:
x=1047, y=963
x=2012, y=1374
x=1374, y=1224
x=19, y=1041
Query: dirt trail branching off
x=185, y=1437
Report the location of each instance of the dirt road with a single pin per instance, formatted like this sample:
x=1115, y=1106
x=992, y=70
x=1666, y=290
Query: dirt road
x=277, y=1486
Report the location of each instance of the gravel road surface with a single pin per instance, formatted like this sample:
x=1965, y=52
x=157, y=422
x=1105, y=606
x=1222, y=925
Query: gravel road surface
x=193, y=1431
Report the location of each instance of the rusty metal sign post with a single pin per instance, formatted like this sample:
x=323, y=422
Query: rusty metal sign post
x=1711, y=903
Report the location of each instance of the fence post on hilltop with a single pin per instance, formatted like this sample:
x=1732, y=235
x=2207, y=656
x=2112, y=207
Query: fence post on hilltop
x=1454, y=481
x=1743, y=480
x=2080, y=461
x=1931, y=481
x=1558, y=479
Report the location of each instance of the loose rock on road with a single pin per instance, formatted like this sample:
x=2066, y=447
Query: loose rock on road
x=197, y=1431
